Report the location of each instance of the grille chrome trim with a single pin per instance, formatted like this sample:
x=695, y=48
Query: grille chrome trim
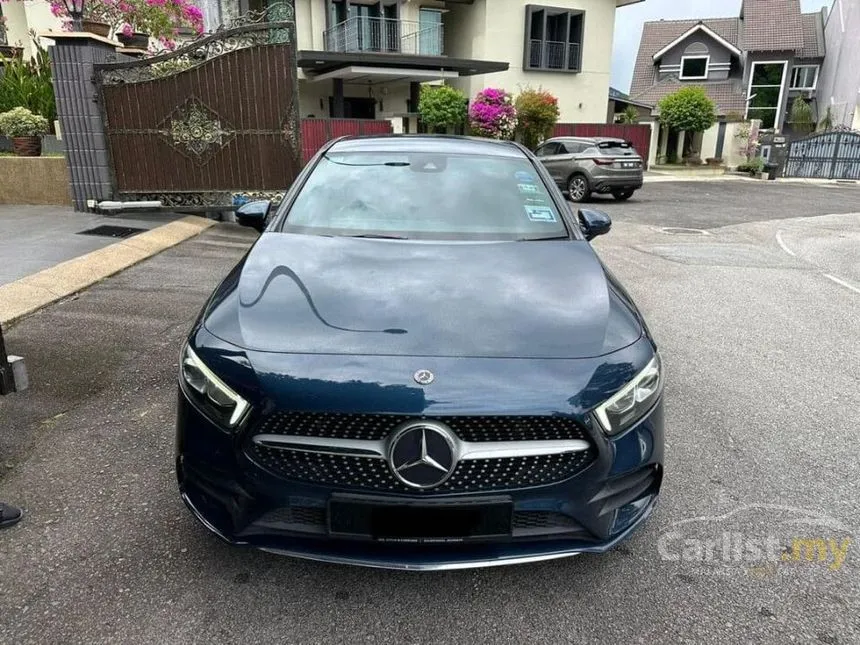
x=465, y=450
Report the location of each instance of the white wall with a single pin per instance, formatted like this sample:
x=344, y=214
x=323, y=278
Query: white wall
x=494, y=30
x=839, y=79
x=709, y=142
x=23, y=16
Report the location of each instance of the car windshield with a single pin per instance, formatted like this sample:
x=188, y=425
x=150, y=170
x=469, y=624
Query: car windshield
x=429, y=196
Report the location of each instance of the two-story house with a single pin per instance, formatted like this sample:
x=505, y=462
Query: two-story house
x=752, y=66
x=367, y=58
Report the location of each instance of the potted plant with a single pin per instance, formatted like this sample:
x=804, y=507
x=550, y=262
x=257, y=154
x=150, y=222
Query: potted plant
x=136, y=21
x=25, y=129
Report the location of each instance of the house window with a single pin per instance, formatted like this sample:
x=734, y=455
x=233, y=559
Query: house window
x=430, y=32
x=553, y=39
x=765, y=92
x=804, y=77
x=694, y=67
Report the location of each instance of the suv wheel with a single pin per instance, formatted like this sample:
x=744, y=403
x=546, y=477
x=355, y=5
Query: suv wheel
x=622, y=195
x=578, y=189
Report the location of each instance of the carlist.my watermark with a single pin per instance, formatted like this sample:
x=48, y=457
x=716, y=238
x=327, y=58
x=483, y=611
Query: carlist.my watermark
x=754, y=535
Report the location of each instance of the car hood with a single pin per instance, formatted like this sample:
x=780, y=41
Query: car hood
x=335, y=295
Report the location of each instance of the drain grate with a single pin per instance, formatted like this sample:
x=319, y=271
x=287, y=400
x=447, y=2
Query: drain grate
x=112, y=231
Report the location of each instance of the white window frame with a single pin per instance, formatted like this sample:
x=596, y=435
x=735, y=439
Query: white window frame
x=817, y=69
x=684, y=59
x=784, y=64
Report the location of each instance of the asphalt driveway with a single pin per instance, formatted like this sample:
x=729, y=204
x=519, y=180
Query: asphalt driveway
x=757, y=321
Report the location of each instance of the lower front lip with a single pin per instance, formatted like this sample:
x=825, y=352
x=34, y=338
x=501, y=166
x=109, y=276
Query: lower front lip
x=331, y=557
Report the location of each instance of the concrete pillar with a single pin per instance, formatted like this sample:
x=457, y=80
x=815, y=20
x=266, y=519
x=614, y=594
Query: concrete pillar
x=414, y=97
x=682, y=135
x=337, y=108
x=663, y=152
x=73, y=57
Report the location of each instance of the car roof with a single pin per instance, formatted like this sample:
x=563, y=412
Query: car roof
x=588, y=139
x=428, y=143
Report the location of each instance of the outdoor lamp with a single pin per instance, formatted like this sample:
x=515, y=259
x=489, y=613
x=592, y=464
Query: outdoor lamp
x=75, y=9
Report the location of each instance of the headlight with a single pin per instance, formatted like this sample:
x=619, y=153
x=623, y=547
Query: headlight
x=630, y=403
x=215, y=397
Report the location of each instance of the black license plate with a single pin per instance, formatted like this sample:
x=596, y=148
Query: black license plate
x=425, y=521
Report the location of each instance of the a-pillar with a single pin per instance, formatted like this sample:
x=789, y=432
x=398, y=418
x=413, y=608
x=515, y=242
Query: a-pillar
x=73, y=59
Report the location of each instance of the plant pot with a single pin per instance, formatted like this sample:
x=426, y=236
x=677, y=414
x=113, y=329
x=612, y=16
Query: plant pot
x=96, y=27
x=135, y=41
x=27, y=146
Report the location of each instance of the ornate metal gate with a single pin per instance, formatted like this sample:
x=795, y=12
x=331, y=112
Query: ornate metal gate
x=829, y=155
x=216, y=118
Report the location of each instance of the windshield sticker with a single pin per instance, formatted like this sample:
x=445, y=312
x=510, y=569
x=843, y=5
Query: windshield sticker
x=535, y=201
x=525, y=177
x=528, y=189
x=540, y=213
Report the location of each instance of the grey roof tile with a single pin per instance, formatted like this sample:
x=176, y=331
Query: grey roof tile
x=771, y=25
x=728, y=95
x=813, y=36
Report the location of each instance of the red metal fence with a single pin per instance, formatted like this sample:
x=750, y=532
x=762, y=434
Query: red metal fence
x=638, y=135
x=317, y=132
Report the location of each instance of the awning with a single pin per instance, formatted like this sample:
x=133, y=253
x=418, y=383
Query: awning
x=378, y=65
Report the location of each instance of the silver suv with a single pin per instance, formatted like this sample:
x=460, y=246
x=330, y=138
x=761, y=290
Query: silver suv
x=582, y=166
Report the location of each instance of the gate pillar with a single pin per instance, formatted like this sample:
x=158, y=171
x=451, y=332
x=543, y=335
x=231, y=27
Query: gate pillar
x=72, y=59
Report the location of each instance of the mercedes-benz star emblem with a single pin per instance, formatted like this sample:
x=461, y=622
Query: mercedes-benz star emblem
x=424, y=377
x=422, y=454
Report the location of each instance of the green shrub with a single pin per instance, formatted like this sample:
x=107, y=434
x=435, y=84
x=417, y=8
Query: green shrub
x=688, y=109
x=630, y=116
x=21, y=122
x=28, y=84
x=801, y=118
x=537, y=114
x=753, y=166
x=441, y=107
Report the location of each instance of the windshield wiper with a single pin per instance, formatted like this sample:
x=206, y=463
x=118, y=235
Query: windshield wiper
x=390, y=164
x=542, y=239
x=376, y=236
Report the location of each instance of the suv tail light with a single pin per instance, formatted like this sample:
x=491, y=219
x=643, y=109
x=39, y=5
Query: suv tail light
x=603, y=162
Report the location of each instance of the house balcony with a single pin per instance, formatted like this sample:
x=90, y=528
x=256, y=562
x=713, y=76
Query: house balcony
x=385, y=35
x=555, y=55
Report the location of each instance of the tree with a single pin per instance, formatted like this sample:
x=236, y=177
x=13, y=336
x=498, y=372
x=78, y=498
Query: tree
x=537, y=114
x=688, y=109
x=441, y=107
x=630, y=116
x=802, y=119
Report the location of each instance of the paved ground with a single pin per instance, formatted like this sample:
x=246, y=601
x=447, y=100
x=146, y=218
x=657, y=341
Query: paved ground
x=33, y=238
x=763, y=389
x=710, y=204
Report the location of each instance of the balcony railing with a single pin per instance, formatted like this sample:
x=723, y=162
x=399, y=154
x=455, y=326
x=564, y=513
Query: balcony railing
x=550, y=54
x=364, y=34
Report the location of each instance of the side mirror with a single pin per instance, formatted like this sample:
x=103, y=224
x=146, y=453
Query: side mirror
x=594, y=222
x=254, y=214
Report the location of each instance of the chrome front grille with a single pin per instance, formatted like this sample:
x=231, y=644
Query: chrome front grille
x=349, y=452
x=378, y=426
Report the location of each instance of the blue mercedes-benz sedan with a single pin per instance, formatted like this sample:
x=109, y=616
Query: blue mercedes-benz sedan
x=421, y=364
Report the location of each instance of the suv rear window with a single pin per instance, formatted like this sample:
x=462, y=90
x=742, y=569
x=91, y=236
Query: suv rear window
x=605, y=145
x=428, y=196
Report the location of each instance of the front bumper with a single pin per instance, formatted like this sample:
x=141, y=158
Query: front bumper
x=246, y=505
